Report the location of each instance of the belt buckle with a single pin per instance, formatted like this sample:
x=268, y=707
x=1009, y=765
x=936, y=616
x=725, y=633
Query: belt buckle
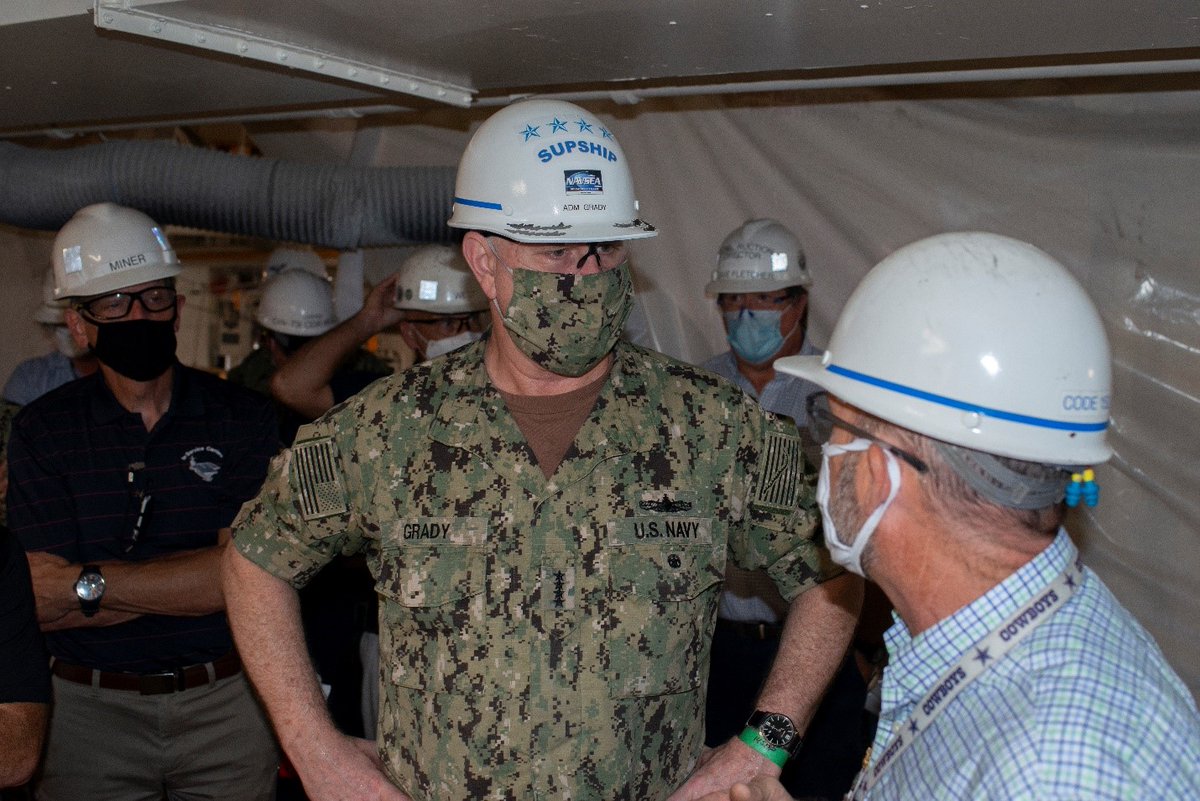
x=168, y=681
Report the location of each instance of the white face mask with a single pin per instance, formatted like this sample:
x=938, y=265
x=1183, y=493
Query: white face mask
x=64, y=343
x=440, y=347
x=850, y=556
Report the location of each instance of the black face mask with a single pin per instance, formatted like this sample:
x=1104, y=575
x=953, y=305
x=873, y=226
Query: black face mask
x=138, y=349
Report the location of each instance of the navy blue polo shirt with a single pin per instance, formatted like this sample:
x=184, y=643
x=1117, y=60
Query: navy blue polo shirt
x=80, y=465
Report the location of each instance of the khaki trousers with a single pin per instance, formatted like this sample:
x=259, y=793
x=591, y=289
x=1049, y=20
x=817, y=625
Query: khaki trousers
x=210, y=742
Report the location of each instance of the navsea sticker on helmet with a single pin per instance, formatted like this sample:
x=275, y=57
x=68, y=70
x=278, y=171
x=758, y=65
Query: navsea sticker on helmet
x=427, y=290
x=583, y=182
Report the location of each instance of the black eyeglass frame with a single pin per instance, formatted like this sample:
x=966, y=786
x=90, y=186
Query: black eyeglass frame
x=85, y=307
x=593, y=249
x=822, y=420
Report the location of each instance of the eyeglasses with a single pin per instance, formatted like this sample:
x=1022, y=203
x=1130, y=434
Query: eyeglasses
x=564, y=258
x=119, y=304
x=822, y=420
x=757, y=301
x=448, y=325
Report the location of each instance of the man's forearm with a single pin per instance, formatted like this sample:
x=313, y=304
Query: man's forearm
x=302, y=382
x=264, y=613
x=22, y=727
x=184, y=584
x=816, y=635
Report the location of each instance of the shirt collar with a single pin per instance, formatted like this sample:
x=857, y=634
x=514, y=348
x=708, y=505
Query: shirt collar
x=916, y=663
x=185, y=400
x=631, y=419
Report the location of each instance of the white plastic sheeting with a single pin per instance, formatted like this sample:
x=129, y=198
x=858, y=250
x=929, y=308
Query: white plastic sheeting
x=1107, y=183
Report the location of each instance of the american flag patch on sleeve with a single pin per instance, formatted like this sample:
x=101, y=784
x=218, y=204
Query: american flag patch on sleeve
x=321, y=492
x=779, y=476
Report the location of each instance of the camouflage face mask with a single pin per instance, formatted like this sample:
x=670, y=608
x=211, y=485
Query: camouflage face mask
x=566, y=323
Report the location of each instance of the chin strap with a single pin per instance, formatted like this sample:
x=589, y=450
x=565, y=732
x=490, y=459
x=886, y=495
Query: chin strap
x=991, y=478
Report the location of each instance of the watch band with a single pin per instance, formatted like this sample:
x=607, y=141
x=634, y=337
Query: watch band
x=751, y=737
x=773, y=735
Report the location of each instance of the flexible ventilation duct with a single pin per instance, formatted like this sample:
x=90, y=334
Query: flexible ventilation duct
x=319, y=204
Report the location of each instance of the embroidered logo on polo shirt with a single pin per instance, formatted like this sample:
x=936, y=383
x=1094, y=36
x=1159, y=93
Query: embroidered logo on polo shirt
x=204, y=461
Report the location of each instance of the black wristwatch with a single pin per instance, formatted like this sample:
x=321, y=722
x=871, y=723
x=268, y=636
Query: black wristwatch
x=773, y=735
x=89, y=589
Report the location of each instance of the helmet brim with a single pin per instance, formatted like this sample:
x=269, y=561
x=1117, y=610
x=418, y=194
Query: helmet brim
x=927, y=415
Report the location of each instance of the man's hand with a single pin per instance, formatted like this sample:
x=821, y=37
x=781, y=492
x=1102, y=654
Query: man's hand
x=378, y=311
x=721, y=768
x=762, y=788
x=345, y=769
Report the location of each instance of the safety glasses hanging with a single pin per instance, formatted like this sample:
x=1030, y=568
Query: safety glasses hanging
x=139, y=495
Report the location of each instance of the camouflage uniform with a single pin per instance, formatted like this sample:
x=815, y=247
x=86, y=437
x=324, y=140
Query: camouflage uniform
x=542, y=638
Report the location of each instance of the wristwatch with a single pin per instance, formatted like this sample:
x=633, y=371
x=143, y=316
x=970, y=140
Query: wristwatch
x=773, y=735
x=89, y=589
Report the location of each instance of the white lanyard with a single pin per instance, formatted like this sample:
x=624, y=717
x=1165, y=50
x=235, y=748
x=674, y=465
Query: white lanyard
x=978, y=658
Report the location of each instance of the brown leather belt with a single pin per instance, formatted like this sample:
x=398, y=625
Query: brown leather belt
x=751, y=631
x=170, y=681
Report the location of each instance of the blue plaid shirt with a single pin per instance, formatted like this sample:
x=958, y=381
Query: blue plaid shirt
x=784, y=394
x=1086, y=708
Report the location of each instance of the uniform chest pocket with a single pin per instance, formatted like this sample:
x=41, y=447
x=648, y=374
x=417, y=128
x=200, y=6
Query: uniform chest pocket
x=661, y=600
x=432, y=615
x=431, y=576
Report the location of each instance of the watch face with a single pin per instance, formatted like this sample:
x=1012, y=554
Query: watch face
x=777, y=730
x=90, y=587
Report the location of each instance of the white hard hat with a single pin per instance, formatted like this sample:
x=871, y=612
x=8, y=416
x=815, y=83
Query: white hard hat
x=759, y=256
x=286, y=258
x=546, y=171
x=436, y=278
x=978, y=340
x=297, y=303
x=105, y=248
x=51, y=311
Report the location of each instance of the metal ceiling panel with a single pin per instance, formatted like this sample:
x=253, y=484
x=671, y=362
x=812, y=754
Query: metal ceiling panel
x=489, y=47
x=61, y=72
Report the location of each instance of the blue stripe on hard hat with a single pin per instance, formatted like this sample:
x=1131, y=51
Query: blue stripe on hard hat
x=968, y=407
x=479, y=204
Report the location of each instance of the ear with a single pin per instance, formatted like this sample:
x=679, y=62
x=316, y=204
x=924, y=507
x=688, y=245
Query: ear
x=802, y=305
x=873, y=482
x=408, y=332
x=274, y=350
x=481, y=260
x=76, y=325
x=180, y=299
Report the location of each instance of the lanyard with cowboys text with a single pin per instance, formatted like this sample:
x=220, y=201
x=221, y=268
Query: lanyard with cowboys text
x=970, y=666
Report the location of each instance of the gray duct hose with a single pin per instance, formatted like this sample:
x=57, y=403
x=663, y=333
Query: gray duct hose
x=319, y=204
